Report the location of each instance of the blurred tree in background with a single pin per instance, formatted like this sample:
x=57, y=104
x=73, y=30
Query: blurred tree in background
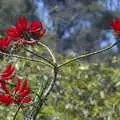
x=10, y=10
x=81, y=24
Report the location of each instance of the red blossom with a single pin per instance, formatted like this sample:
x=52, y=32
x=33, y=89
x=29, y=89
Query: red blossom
x=116, y=26
x=22, y=91
x=23, y=31
x=18, y=94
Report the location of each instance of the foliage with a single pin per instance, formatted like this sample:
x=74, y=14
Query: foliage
x=85, y=91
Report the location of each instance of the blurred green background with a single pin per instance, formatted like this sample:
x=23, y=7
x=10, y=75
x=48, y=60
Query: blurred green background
x=82, y=92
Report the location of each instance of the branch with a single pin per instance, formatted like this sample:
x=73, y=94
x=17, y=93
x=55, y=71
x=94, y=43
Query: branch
x=48, y=49
x=47, y=92
x=39, y=56
x=52, y=82
x=89, y=54
x=25, y=58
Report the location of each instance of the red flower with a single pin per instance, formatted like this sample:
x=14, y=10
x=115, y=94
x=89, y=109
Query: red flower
x=22, y=92
x=18, y=94
x=4, y=43
x=22, y=32
x=116, y=26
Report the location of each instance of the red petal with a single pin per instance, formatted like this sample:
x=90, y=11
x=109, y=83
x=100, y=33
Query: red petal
x=13, y=33
x=38, y=35
x=17, y=86
x=4, y=43
x=23, y=87
x=21, y=24
x=25, y=92
x=9, y=68
x=4, y=87
x=6, y=74
x=6, y=99
x=35, y=26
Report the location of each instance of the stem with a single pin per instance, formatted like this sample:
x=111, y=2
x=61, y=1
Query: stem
x=40, y=103
x=89, y=54
x=39, y=56
x=14, y=118
x=25, y=58
x=48, y=49
x=52, y=82
x=43, y=90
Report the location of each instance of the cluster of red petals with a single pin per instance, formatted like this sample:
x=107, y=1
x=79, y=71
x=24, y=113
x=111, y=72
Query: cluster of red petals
x=21, y=92
x=17, y=94
x=22, y=33
x=116, y=26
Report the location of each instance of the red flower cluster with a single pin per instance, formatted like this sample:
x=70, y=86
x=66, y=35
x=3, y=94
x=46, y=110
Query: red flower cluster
x=22, y=33
x=116, y=26
x=18, y=93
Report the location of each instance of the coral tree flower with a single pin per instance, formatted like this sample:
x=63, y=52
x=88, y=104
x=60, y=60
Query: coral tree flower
x=23, y=31
x=17, y=94
x=4, y=43
x=116, y=26
x=21, y=92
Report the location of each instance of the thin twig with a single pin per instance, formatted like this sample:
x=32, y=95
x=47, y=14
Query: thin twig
x=39, y=56
x=88, y=54
x=49, y=50
x=14, y=118
x=25, y=58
